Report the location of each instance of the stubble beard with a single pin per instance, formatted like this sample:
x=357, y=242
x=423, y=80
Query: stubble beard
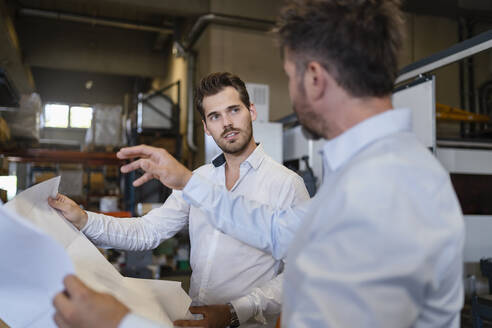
x=236, y=146
x=310, y=121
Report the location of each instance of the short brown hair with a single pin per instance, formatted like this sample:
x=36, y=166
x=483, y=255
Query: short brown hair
x=356, y=41
x=215, y=83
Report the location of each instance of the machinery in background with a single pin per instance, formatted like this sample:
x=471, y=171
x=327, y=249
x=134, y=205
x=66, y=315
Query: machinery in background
x=307, y=174
x=445, y=112
x=419, y=95
x=302, y=154
x=485, y=97
x=467, y=157
x=157, y=124
x=158, y=117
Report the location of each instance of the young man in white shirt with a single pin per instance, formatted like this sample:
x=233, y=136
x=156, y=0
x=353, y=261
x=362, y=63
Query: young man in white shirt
x=229, y=277
x=380, y=245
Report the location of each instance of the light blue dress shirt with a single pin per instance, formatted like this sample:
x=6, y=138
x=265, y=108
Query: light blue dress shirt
x=380, y=245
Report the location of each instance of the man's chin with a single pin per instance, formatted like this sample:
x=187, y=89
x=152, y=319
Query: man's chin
x=234, y=147
x=307, y=130
x=232, y=150
x=310, y=134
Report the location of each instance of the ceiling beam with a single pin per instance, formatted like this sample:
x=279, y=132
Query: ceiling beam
x=168, y=7
x=81, y=47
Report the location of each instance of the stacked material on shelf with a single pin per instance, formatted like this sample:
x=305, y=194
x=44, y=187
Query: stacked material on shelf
x=106, y=128
x=4, y=131
x=25, y=121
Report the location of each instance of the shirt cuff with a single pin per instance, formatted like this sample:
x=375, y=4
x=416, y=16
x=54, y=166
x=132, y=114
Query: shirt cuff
x=245, y=309
x=89, y=229
x=132, y=320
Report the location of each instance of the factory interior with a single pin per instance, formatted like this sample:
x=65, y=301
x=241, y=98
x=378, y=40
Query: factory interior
x=81, y=79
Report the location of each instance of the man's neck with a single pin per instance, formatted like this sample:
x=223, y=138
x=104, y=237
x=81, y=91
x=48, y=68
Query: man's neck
x=233, y=161
x=353, y=111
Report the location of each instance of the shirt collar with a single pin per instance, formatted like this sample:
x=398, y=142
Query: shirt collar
x=339, y=150
x=254, y=159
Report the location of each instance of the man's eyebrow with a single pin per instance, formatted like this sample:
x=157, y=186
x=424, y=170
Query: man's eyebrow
x=211, y=113
x=227, y=108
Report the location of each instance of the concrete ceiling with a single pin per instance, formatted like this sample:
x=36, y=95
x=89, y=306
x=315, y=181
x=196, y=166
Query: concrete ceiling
x=105, y=36
x=56, y=44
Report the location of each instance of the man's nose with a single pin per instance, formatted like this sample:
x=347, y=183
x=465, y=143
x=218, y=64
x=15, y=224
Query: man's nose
x=227, y=121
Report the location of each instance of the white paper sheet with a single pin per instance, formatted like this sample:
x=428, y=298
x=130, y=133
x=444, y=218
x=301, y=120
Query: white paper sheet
x=161, y=301
x=32, y=267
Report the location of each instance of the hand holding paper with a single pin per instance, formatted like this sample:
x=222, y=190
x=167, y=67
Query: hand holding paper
x=70, y=210
x=81, y=307
x=38, y=247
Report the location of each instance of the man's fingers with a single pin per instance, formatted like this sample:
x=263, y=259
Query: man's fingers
x=143, y=179
x=190, y=323
x=60, y=322
x=135, y=165
x=143, y=163
x=53, y=202
x=146, y=165
x=75, y=287
x=61, y=301
x=198, y=309
x=63, y=307
x=135, y=151
x=60, y=203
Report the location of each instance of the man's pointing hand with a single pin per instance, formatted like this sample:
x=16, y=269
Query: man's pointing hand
x=157, y=163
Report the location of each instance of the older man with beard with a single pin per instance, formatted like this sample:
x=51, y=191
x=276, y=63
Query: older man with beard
x=381, y=243
x=232, y=283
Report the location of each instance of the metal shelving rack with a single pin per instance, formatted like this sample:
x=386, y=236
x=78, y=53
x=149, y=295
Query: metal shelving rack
x=86, y=159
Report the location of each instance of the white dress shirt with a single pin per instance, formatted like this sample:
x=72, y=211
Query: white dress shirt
x=224, y=269
x=381, y=243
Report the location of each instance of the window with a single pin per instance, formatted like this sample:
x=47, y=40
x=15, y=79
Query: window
x=56, y=116
x=65, y=116
x=80, y=117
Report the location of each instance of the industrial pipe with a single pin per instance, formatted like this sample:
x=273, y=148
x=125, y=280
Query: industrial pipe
x=202, y=22
x=94, y=21
x=189, y=89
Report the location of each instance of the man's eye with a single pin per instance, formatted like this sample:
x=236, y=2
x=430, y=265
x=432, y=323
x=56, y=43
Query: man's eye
x=235, y=110
x=214, y=117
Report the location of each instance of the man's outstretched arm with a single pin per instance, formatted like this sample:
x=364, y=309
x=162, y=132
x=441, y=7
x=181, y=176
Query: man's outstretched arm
x=251, y=222
x=258, y=225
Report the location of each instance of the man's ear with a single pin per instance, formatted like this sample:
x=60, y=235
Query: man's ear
x=253, y=112
x=205, y=127
x=315, y=81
